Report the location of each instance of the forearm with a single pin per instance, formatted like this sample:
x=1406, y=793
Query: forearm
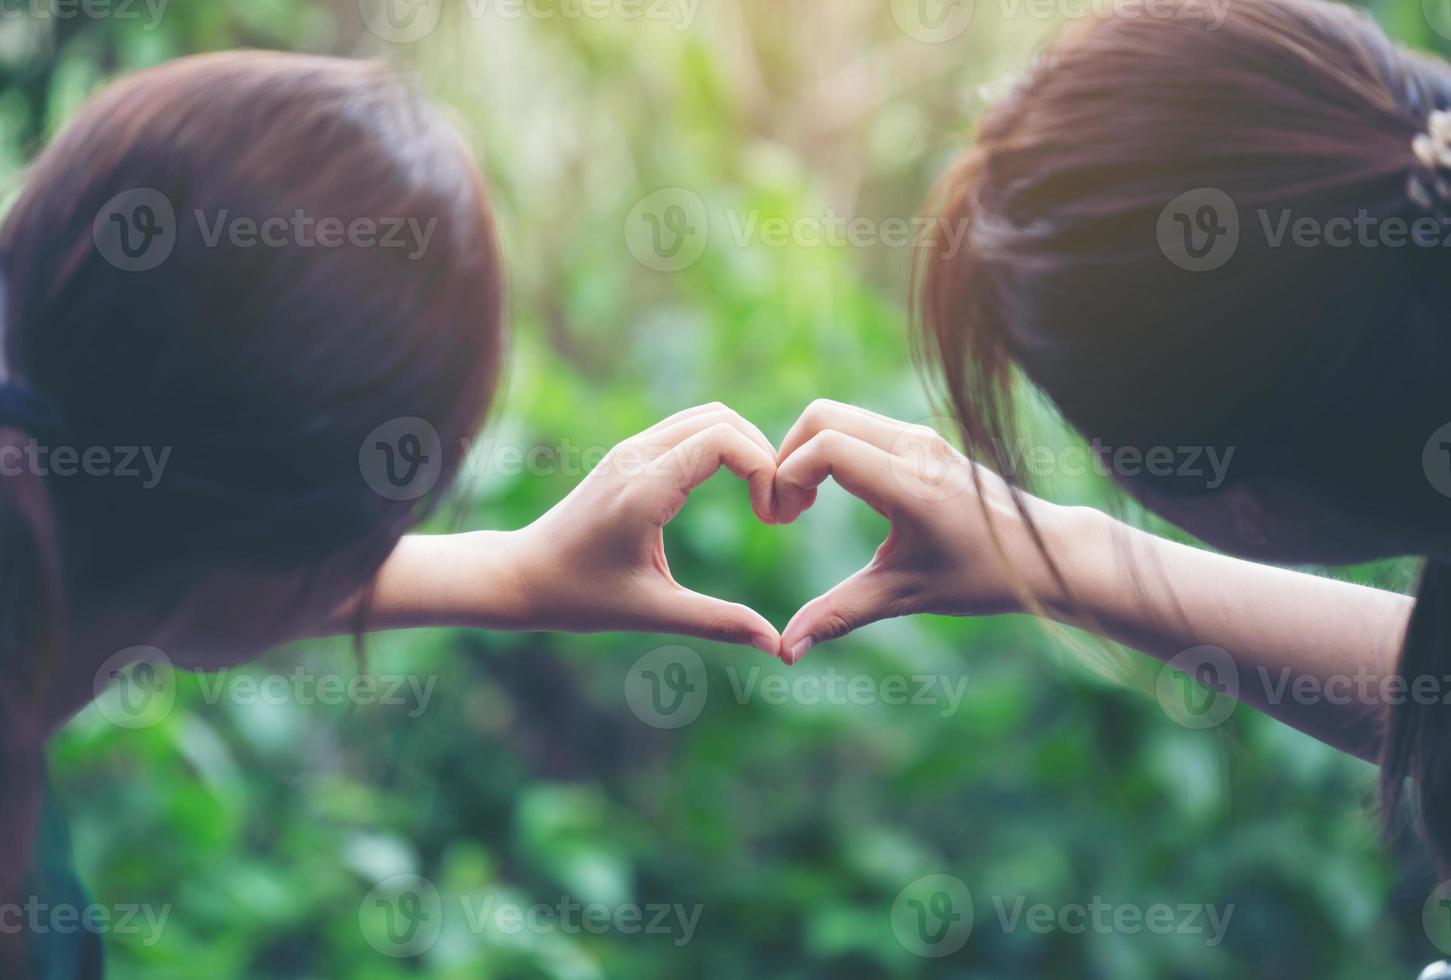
x=470, y=580
x=1314, y=653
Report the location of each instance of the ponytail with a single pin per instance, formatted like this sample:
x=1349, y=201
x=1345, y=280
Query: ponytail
x=1418, y=732
x=32, y=617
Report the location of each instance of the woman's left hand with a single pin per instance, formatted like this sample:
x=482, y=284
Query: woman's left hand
x=596, y=561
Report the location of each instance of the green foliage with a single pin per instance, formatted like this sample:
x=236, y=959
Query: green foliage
x=791, y=823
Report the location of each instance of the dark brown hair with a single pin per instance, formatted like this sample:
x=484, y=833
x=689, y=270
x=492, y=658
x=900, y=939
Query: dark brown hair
x=1322, y=366
x=261, y=369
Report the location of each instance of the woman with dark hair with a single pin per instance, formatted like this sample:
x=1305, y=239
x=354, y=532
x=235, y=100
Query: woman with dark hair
x=195, y=269
x=1200, y=243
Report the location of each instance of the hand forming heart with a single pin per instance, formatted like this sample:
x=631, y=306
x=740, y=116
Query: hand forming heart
x=958, y=543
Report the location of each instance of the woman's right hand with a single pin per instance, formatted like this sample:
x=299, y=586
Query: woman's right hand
x=958, y=545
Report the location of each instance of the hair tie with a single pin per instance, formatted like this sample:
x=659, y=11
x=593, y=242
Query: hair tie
x=1428, y=186
x=24, y=408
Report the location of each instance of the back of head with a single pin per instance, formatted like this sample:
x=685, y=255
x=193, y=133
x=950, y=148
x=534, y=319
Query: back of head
x=219, y=279
x=318, y=259
x=1193, y=233
x=1136, y=138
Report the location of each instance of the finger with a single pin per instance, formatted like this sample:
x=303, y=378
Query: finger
x=676, y=433
x=685, y=613
x=822, y=414
x=862, y=469
x=868, y=596
x=699, y=457
x=682, y=414
x=667, y=432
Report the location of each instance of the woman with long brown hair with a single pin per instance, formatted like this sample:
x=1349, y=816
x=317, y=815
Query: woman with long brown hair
x=197, y=273
x=1202, y=243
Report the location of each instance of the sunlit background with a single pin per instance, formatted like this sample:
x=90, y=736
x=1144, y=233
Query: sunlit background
x=700, y=200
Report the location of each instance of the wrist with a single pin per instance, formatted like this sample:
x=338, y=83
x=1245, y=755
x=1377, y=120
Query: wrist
x=475, y=580
x=1078, y=540
x=502, y=581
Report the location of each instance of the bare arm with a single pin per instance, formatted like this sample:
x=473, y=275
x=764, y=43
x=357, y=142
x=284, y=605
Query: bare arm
x=461, y=580
x=596, y=561
x=1314, y=653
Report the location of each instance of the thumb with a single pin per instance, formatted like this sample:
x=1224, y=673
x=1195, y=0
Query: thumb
x=866, y=597
x=686, y=613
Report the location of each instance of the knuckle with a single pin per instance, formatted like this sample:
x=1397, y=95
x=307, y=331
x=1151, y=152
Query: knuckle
x=721, y=430
x=819, y=409
x=828, y=441
x=835, y=623
x=726, y=629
